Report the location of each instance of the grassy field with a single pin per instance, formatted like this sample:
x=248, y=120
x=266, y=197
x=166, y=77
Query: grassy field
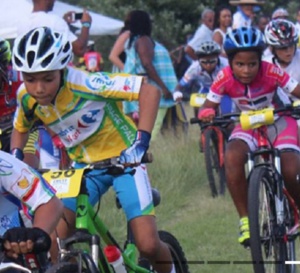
x=206, y=227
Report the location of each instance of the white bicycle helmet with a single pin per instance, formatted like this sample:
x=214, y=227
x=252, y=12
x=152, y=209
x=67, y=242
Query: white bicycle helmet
x=41, y=49
x=281, y=33
x=208, y=48
x=280, y=13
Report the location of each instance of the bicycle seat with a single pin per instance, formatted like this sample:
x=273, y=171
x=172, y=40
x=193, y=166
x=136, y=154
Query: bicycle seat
x=155, y=196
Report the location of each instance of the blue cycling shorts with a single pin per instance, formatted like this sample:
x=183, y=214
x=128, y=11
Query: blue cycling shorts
x=133, y=191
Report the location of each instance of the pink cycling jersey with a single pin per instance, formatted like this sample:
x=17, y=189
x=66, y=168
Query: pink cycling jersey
x=256, y=95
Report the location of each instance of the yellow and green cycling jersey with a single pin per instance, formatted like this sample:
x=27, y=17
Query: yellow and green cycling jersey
x=86, y=113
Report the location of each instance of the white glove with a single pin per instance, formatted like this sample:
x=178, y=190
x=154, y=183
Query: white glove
x=177, y=96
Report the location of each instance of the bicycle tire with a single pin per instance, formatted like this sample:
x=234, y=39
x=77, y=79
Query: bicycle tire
x=177, y=253
x=63, y=267
x=290, y=250
x=268, y=252
x=215, y=173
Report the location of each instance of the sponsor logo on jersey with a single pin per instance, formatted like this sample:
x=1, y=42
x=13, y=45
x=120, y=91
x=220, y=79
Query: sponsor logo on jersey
x=88, y=118
x=23, y=183
x=99, y=81
x=126, y=86
x=6, y=168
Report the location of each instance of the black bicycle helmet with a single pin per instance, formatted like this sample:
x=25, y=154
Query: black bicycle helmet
x=208, y=48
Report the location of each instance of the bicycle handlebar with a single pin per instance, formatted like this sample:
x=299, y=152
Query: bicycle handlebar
x=5, y=266
x=113, y=162
x=288, y=110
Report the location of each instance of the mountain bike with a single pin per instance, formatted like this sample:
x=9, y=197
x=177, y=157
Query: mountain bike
x=273, y=215
x=91, y=230
x=212, y=143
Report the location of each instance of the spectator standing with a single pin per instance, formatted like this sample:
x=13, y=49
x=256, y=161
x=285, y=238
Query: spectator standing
x=117, y=54
x=42, y=15
x=223, y=21
x=244, y=15
x=147, y=57
x=262, y=21
x=203, y=33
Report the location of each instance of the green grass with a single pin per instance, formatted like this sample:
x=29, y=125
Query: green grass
x=206, y=227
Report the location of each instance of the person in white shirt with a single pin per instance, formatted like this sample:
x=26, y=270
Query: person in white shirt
x=243, y=17
x=223, y=21
x=282, y=37
x=203, y=33
x=42, y=15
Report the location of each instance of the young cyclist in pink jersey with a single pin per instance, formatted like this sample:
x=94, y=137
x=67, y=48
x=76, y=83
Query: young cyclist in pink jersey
x=251, y=83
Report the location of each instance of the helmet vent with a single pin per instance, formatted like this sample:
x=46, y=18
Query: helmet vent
x=45, y=45
x=34, y=38
x=67, y=47
x=18, y=62
x=30, y=58
x=47, y=60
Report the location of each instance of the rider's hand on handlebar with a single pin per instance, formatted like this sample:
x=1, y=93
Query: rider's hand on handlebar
x=206, y=114
x=20, y=240
x=134, y=154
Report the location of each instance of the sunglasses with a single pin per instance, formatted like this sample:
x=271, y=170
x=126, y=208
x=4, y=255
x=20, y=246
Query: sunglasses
x=212, y=61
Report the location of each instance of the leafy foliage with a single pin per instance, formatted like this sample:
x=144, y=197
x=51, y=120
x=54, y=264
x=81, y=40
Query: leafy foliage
x=172, y=20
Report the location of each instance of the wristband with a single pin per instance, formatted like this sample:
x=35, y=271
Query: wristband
x=17, y=153
x=143, y=136
x=206, y=112
x=86, y=24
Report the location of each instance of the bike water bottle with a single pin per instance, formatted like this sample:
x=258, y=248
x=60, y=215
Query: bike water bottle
x=115, y=258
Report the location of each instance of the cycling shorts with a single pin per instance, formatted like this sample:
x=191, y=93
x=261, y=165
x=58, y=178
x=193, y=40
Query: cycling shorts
x=133, y=191
x=283, y=134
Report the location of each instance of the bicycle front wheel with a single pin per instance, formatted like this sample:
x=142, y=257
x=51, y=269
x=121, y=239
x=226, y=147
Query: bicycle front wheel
x=268, y=249
x=215, y=172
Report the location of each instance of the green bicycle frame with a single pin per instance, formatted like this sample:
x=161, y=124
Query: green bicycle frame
x=87, y=220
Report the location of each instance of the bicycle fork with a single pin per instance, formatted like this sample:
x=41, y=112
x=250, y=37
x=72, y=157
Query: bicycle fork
x=276, y=174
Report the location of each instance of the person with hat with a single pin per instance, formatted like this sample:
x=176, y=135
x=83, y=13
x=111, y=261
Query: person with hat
x=243, y=17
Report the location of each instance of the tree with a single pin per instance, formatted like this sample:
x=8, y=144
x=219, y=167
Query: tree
x=172, y=20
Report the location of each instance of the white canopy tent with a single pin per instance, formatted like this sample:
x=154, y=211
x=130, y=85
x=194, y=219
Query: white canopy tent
x=11, y=11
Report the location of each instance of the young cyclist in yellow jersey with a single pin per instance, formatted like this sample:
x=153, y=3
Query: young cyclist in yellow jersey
x=83, y=110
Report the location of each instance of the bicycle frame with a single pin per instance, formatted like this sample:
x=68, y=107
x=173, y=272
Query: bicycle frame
x=220, y=135
x=271, y=158
x=88, y=223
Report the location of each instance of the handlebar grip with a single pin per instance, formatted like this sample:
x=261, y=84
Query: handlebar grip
x=194, y=120
x=147, y=158
x=42, y=244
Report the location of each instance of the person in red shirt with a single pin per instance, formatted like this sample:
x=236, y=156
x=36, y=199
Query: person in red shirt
x=91, y=60
x=10, y=81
